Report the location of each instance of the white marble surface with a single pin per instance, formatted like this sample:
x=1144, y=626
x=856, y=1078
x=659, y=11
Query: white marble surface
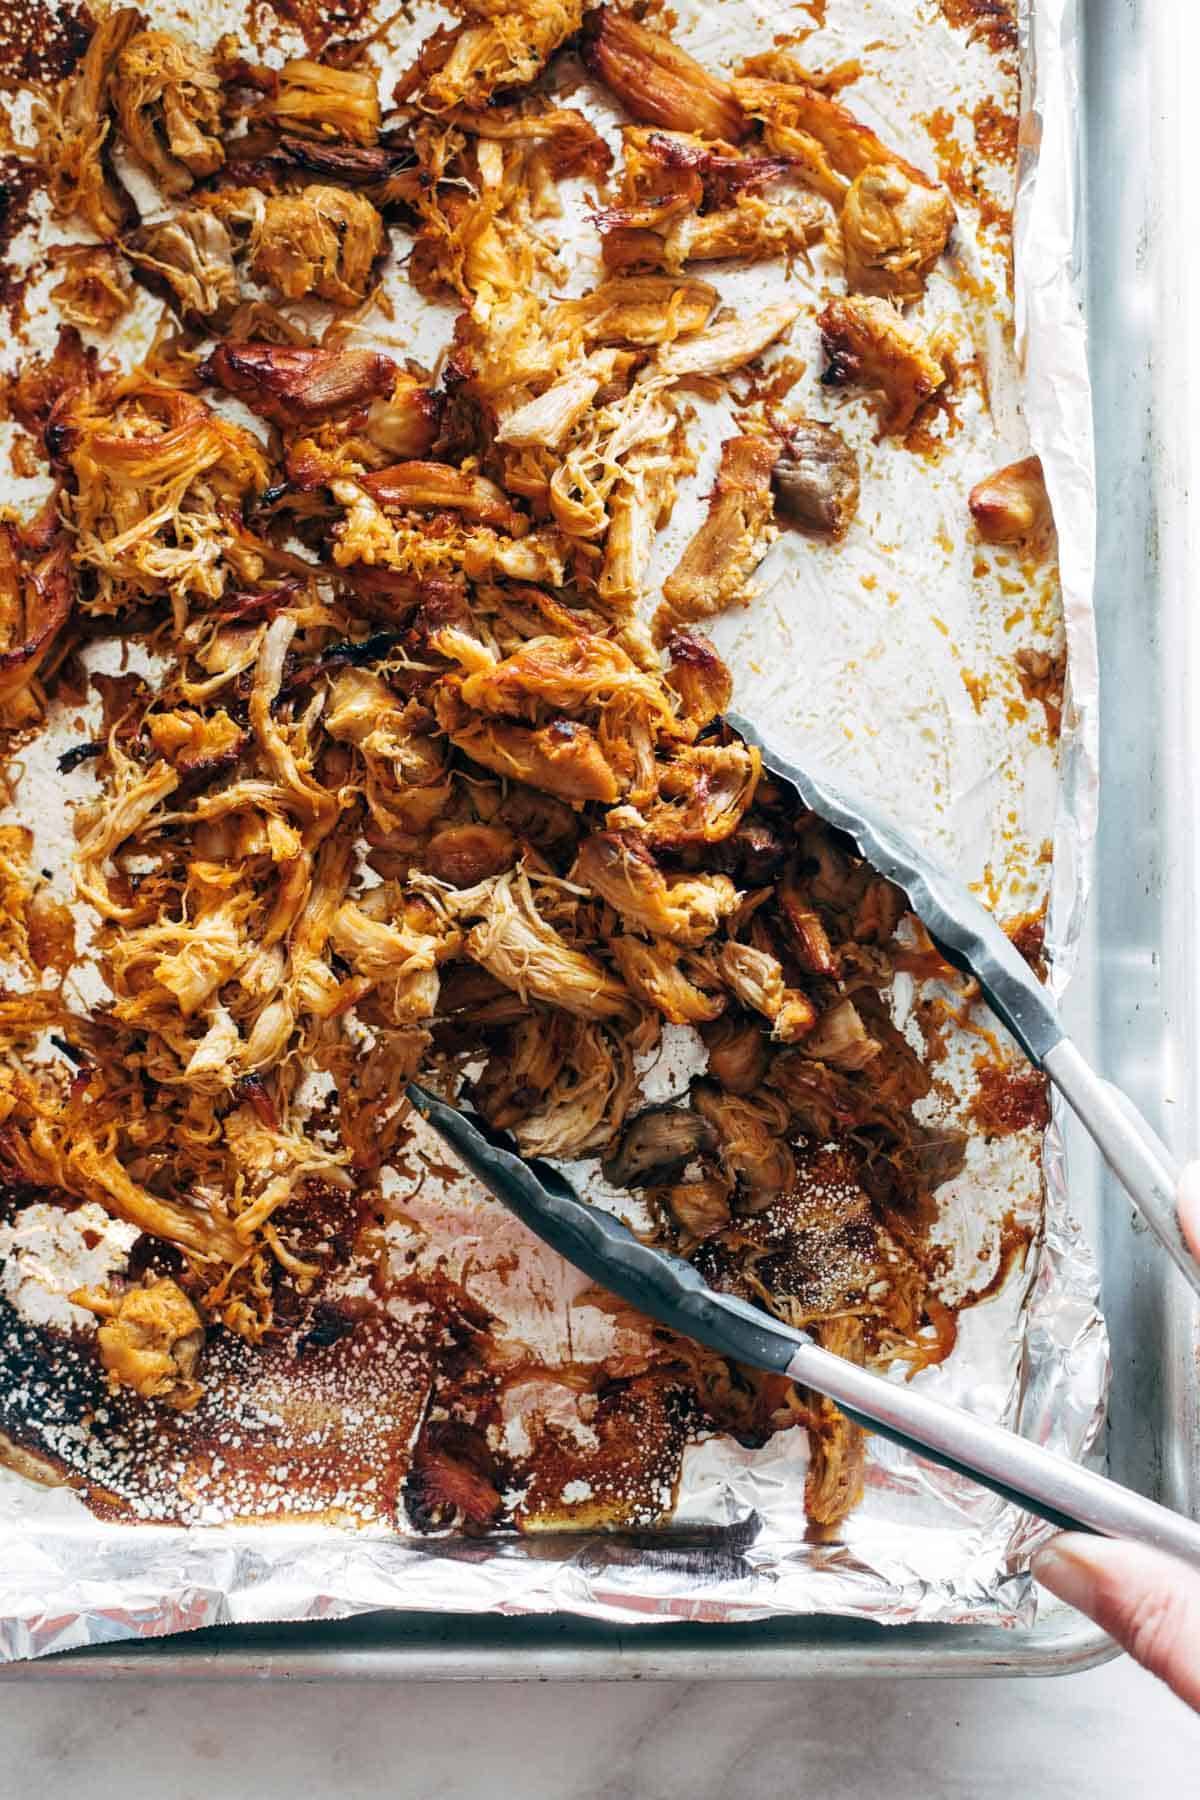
x=1111, y=1732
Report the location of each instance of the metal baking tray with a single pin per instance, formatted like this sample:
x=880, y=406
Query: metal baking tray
x=1134, y=1002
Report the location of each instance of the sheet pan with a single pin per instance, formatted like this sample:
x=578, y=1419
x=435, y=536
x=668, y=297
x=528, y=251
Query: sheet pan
x=1133, y=1002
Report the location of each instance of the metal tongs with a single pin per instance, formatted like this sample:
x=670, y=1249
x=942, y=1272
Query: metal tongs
x=668, y=1288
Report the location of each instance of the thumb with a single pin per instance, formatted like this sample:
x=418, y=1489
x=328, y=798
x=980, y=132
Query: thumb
x=1147, y=1601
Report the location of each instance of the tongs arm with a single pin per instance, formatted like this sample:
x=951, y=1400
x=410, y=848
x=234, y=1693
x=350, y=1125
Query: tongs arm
x=669, y=1289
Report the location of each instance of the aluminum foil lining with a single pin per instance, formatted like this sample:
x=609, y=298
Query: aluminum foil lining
x=868, y=657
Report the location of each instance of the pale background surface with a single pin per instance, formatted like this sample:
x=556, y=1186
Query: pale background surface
x=1112, y=1732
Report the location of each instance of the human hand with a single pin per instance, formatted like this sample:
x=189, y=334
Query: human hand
x=1147, y=1601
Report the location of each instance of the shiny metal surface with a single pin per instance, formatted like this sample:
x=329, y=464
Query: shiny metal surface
x=669, y=1289
x=1130, y=1146
x=1133, y=1007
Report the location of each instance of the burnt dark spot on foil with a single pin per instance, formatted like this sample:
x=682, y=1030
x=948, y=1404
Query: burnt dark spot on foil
x=1028, y=936
x=317, y=23
x=78, y=754
x=40, y=42
x=1010, y=1099
x=19, y=181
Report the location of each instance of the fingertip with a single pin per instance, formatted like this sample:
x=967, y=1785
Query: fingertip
x=1187, y=1201
x=1065, y=1565
x=1144, y=1599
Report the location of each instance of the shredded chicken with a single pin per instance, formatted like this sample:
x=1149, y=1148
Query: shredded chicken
x=723, y=348
x=1012, y=505
x=895, y=221
x=75, y=134
x=315, y=100
x=684, y=908
x=496, y=47
x=868, y=342
x=296, y=386
x=656, y=81
x=816, y=480
x=516, y=945
x=323, y=241
x=189, y=257
x=94, y=290
x=150, y=1340
x=167, y=99
x=714, y=570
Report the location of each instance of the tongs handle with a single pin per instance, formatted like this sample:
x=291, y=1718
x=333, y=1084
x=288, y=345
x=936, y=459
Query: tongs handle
x=1012, y=1466
x=1132, y=1149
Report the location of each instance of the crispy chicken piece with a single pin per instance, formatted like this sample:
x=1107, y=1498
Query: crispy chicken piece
x=645, y=310
x=895, y=220
x=816, y=480
x=564, y=675
x=464, y=855
x=698, y=676
x=406, y=778
x=652, y=971
x=703, y=793
x=410, y=549
x=194, y=744
x=294, y=386
x=682, y=199
x=150, y=1340
x=662, y=164
x=189, y=257
x=894, y=228
x=686, y=909
x=403, y=422
x=567, y=142
x=754, y=1149
x=752, y=976
x=37, y=595
x=167, y=97
x=868, y=342
x=656, y=81
x=498, y=46
x=94, y=290
x=323, y=241
x=713, y=571
x=516, y=945
x=737, y=1053
x=389, y=171
x=563, y=757
x=755, y=977
x=752, y=230
x=657, y=1146
x=314, y=99
x=439, y=487
x=841, y=1039
x=74, y=134
x=729, y=346
x=1012, y=504
x=700, y=1208
x=805, y=929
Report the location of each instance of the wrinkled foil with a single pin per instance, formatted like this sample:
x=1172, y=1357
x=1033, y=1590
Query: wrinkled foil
x=925, y=1545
